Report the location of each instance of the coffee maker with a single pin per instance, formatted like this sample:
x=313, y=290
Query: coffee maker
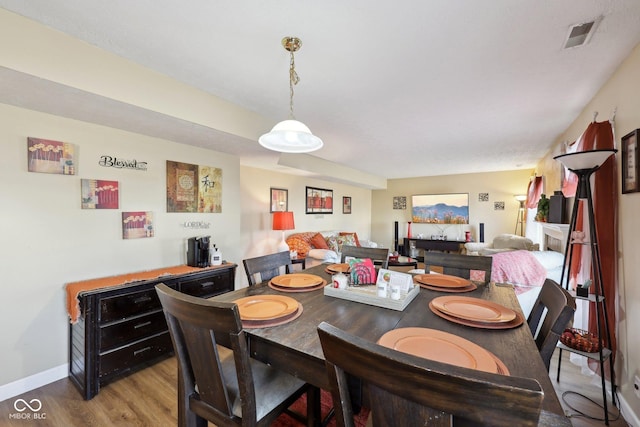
x=198, y=251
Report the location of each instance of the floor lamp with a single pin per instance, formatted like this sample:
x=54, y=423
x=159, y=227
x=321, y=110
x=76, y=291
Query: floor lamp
x=584, y=164
x=520, y=220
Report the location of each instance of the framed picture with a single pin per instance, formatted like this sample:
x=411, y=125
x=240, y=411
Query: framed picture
x=346, y=205
x=279, y=200
x=440, y=208
x=630, y=168
x=319, y=200
x=99, y=194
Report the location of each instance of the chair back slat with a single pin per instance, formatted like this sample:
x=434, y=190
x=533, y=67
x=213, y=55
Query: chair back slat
x=551, y=313
x=459, y=265
x=424, y=392
x=267, y=267
x=375, y=254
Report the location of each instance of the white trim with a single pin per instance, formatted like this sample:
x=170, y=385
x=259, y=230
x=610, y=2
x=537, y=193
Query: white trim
x=32, y=382
x=627, y=412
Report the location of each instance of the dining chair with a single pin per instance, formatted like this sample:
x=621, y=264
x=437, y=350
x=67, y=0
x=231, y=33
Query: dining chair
x=459, y=265
x=218, y=381
x=267, y=266
x=375, y=254
x=406, y=390
x=551, y=313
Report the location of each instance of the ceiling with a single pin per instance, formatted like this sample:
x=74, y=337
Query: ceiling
x=395, y=89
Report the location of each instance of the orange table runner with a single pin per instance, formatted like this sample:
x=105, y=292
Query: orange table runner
x=74, y=288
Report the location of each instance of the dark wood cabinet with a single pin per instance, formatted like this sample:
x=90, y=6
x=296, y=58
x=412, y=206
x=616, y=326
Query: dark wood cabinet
x=432, y=245
x=122, y=328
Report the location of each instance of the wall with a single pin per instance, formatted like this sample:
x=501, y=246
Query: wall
x=48, y=240
x=501, y=186
x=622, y=95
x=257, y=238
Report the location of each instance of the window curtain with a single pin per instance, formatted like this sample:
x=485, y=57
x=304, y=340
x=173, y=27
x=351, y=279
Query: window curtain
x=604, y=187
x=534, y=192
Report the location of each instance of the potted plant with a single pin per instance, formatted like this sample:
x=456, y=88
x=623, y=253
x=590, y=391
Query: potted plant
x=543, y=209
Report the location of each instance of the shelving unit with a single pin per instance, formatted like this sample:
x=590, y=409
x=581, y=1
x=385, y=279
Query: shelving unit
x=584, y=164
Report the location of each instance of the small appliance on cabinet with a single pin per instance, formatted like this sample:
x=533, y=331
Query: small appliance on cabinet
x=198, y=251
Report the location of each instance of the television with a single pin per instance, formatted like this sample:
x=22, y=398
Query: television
x=440, y=208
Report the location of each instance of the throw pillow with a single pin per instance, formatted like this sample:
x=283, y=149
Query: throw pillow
x=355, y=236
x=347, y=239
x=299, y=245
x=332, y=242
x=318, y=242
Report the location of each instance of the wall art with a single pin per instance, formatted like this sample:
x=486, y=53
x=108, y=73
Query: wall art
x=440, y=208
x=193, y=188
x=137, y=225
x=498, y=206
x=630, y=167
x=47, y=156
x=483, y=197
x=399, y=202
x=99, y=194
x=119, y=163
x=319, y=200
x=346, y=205
x=279, y=200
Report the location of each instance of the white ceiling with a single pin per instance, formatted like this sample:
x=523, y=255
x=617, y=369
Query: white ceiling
x=394, y=88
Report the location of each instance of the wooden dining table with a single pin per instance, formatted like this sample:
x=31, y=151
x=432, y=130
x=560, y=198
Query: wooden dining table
x=294, y=347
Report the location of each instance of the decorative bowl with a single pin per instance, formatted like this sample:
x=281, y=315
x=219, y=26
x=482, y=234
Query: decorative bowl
x=581, y=340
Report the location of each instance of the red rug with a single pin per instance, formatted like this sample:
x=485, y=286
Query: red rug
x=326, y=403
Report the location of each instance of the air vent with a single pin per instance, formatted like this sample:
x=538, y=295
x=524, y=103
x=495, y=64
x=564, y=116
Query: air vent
x=580, y=34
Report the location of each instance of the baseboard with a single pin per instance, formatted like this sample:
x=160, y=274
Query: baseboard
x=629, y=416
x=32, y=382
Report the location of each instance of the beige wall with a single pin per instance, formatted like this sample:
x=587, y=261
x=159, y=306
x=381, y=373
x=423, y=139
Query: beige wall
x=621, y=93
x=501, y=186
x=48, y=240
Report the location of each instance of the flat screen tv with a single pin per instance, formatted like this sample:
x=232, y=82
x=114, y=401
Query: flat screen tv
x=440, y=208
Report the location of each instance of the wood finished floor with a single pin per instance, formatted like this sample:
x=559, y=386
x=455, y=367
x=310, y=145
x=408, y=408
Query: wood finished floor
x=147, y=398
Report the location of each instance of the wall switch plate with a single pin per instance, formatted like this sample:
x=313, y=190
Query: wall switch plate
x=636, y=386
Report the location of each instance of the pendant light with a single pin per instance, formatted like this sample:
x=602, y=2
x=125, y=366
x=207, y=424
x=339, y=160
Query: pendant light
x=291, y=136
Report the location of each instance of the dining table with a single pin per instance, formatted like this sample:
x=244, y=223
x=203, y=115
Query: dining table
x=294, y=347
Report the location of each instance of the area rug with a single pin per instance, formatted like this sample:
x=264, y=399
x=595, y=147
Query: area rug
x=326, y=403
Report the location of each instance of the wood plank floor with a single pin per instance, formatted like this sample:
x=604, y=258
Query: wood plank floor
x=147, y=398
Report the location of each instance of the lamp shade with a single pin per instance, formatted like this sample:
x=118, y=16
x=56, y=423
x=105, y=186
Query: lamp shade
x=283, y=221
x=590, y=159
x=290, y=136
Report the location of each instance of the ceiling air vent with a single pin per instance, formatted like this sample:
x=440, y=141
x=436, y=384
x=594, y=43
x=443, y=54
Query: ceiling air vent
x=580, y=34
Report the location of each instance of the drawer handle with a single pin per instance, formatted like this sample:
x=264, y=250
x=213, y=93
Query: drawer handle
x=142, y=299
x=207, y=284
x=142, y=350
x=142, y=325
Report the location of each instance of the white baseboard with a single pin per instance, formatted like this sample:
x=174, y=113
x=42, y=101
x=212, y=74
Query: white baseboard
x=629, y=416
x=40, y=379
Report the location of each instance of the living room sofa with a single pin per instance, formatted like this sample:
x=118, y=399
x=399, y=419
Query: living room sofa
x=324, y=246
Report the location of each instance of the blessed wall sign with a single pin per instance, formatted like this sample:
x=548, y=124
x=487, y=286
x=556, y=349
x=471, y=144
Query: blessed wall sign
x=115, y=162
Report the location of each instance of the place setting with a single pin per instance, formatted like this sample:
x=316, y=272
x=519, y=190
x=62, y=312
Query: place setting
x=443, y=347
x=297, y=282
x=337, y=268
x=475, y=312
x=444, y=283
x=260, y=311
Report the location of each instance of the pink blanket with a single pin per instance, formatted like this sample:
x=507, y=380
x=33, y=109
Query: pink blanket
x=519, y=268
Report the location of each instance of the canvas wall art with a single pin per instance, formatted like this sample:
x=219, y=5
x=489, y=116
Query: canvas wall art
x=319, y=200
x=47, y=156
x=99, y=194
x=193, y=188
x=440, y=208
x=137, y=225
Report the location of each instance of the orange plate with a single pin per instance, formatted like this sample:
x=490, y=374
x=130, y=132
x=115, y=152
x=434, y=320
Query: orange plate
x=440, y=346
x=471, y=287
x=297, y=280
x=475, y=309
x=338, y=268
x=442, y=280
x=309, y=289
x=254, y=324
x=519, y=320
x=266, y=307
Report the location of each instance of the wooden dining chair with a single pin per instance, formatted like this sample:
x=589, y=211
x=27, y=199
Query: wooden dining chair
x=267, y=267
x=458, y=265
x=550, y=315
x=380, y=255
x=406, y=390
x=218, y=380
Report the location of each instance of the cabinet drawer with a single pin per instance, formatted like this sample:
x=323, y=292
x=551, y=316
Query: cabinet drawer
x=118, y=334
x=126, y=358
x=206, y=286
x=121, y=306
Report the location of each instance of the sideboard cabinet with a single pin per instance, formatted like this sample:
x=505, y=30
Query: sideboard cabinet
x=121, y=329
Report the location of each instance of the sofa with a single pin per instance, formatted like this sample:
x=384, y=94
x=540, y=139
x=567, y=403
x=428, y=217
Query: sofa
x=501, y=243
x=324, y=246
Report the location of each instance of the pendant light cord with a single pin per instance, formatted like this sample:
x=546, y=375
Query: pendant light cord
x=293, y=80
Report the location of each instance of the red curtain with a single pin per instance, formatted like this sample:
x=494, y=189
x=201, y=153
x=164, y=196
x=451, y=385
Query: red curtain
x=534, y=192
x=599, y=135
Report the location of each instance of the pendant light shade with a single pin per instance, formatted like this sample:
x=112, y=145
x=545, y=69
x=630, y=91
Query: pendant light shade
x=291, y=136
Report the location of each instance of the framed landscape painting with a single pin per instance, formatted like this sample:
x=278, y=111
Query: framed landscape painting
x=440, y=208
